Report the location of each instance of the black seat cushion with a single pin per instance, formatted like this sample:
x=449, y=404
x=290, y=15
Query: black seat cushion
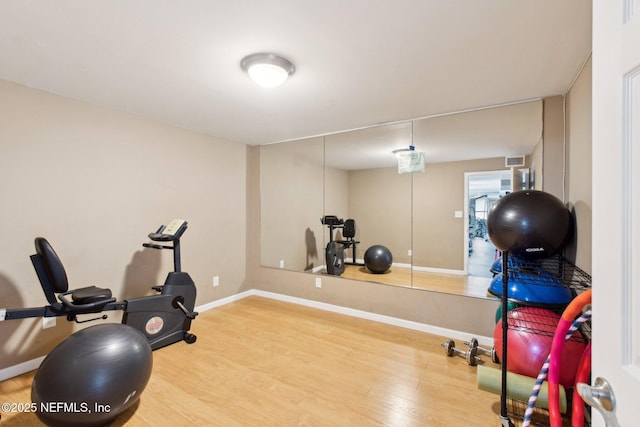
x=90, y=294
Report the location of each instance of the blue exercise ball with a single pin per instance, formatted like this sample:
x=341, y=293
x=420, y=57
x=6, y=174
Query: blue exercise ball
x=378, y=259
x=530, y=224
x=92, y=376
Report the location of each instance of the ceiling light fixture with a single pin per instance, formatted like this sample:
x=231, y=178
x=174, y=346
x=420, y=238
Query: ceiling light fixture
x=267, y=69
x=397, y=152
x=409, y=160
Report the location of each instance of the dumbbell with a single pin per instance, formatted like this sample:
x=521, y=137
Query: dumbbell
x=471, y=355
x=473, y=343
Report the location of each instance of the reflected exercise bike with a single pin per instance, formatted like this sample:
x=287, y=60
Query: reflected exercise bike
x=334, y=252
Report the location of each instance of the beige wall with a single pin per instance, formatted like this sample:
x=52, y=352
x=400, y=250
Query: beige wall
x=473, y=315
x=380, y=202
x=415, y=211
x=292, y=185
x=396, y=210
x=578, y=106
x=535, y=166
x=336, y=198
x=438, y=236
x=553, y=156
x=95, y=182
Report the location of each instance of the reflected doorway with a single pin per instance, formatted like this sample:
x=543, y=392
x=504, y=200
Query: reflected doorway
x=482, y=191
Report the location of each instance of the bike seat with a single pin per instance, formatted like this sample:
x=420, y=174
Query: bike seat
x=90, y=294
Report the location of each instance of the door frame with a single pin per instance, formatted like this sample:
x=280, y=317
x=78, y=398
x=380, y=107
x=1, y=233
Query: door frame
x=465, y=212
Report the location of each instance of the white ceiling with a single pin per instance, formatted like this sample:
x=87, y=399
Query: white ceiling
x=507, y=130
x=359, y=62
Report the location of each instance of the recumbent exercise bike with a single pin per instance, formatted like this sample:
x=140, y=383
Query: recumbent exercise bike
x=334, y=254
x=164, y=318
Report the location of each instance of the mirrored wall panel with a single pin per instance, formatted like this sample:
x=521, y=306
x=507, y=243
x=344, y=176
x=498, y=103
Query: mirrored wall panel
x=447, y=237
x=362, y=183
x=291, y=204
x=422, y=218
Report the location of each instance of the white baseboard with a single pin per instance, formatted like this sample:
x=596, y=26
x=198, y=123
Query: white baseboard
x=439, y=270
x=20, y=368
x=224, y=301
x=422, y=327
x=318, y=268
x=30, y=365
x=401, y=265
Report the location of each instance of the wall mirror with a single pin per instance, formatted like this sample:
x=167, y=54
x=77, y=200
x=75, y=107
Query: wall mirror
x=422, y=217
x=361, y=169
x=291, y=203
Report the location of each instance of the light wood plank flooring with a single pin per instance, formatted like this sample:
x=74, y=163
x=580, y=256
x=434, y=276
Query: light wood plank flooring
x=260, y=362
x=474, y=286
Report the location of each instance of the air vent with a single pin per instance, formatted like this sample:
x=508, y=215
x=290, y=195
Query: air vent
x=514, y=161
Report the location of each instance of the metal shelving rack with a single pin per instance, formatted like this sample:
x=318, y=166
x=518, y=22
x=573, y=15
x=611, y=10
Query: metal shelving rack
x=578, y=281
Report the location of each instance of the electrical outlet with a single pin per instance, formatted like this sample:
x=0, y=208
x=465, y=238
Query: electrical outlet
x=409, y=252
x=48, y=322
x=318, y=282
x=281, y=263
x=216, y=280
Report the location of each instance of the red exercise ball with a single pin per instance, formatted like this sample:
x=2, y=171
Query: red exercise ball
x=529, y=339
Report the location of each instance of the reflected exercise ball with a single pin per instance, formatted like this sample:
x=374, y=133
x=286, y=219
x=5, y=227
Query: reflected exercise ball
x=92, y=376
x=378, y=259
x=530, y=224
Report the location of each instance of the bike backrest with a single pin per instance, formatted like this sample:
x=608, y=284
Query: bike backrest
x=56, y=276
x=349, y=230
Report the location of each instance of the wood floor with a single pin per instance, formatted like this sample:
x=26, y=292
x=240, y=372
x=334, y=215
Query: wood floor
x=261, y=362
x=474, y=286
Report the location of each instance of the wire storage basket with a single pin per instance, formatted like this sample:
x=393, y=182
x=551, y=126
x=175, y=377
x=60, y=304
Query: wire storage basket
x=535, y=321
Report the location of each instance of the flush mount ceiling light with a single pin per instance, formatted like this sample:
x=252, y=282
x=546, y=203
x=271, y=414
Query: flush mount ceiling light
x=267, y=69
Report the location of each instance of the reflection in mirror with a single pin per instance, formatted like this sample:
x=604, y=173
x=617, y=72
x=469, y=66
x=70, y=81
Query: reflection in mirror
x=291, y=187
x=421, y=217
x=362, y=183
x=484, y=189
x=457, y=145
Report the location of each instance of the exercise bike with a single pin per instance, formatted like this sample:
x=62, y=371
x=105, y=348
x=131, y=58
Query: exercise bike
x=334, y=254
x=164, y=318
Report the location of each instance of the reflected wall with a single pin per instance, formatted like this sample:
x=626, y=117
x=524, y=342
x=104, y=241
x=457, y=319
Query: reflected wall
x=373, y=193
x=291, y=203
x=438, y=233
x=354, y=175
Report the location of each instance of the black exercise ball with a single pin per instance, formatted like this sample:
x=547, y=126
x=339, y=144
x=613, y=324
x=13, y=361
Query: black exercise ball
x=378, y=259
x=92, y=376
x=530, y=224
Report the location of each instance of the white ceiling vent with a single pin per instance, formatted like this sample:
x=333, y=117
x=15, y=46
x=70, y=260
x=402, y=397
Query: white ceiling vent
x=514, y=161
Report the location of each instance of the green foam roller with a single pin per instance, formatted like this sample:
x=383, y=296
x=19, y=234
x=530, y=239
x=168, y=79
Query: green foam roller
x=518, y=387
x=510, y=306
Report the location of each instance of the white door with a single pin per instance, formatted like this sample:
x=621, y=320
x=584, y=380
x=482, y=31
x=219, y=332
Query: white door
x=616, y=203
